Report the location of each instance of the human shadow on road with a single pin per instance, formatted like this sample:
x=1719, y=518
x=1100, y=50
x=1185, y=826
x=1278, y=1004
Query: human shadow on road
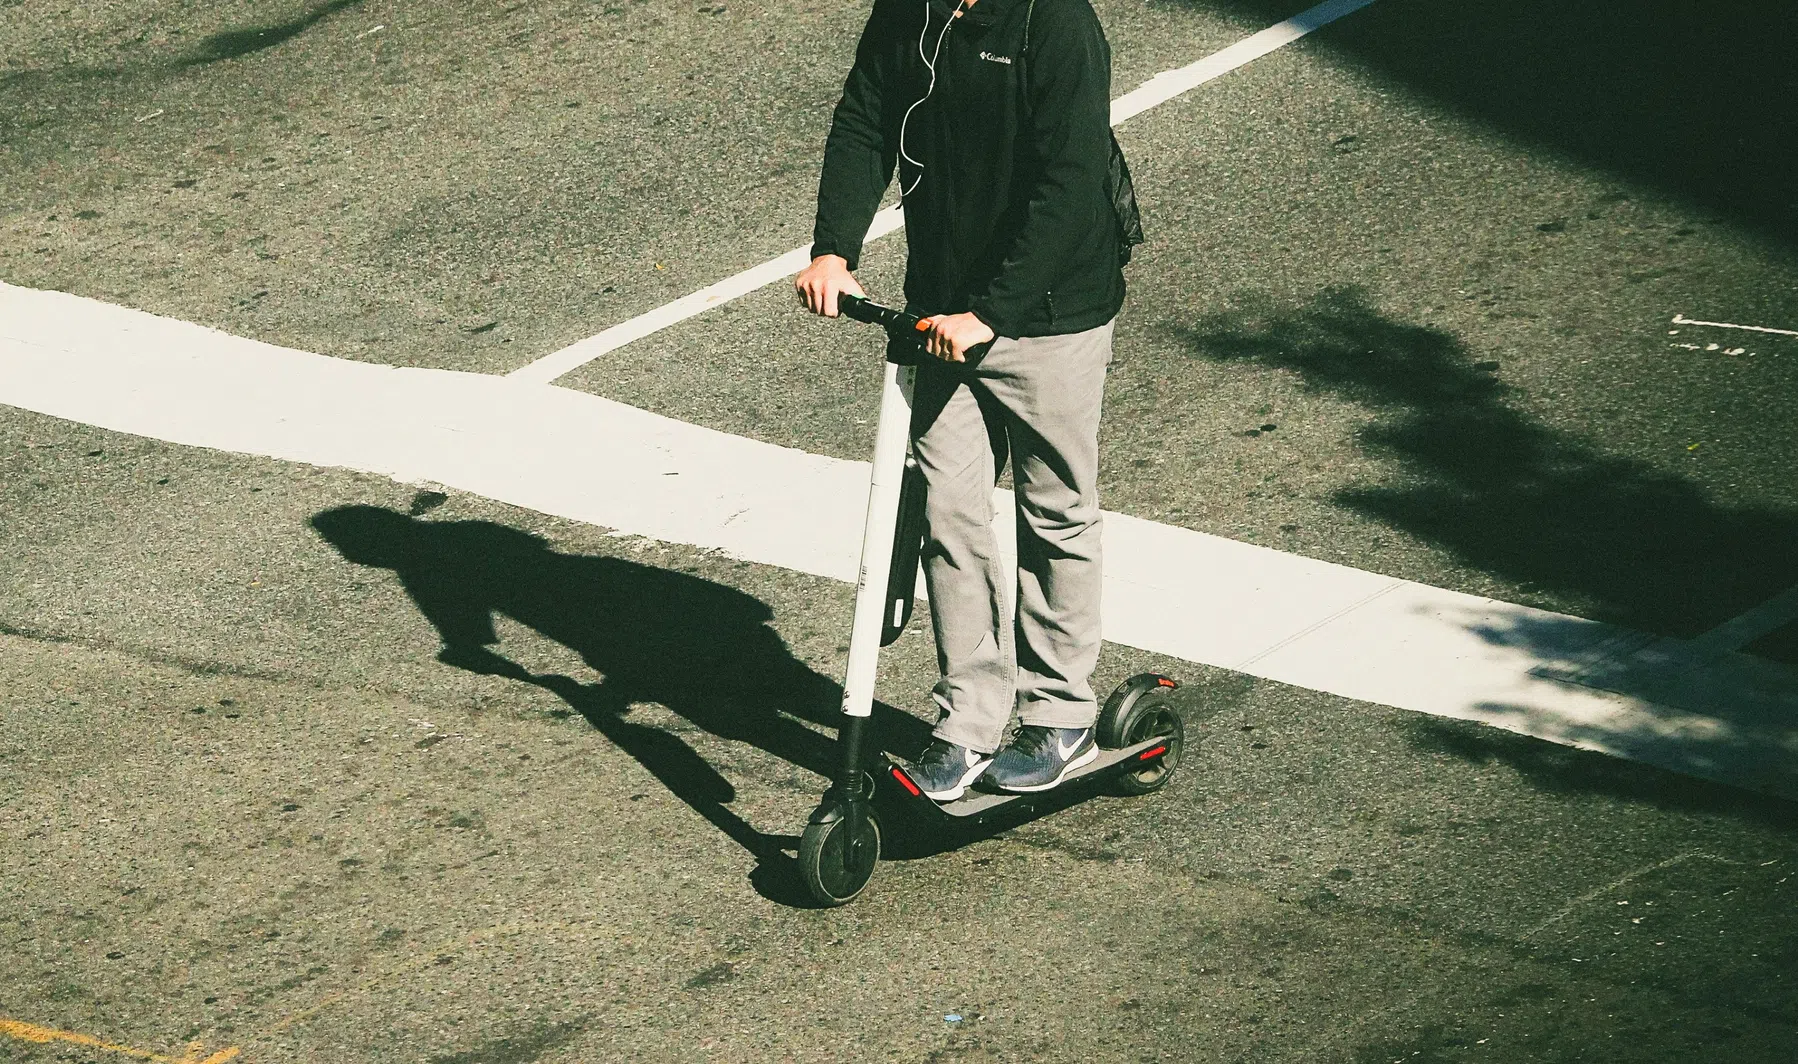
x=703, y=650
x=1693, y=98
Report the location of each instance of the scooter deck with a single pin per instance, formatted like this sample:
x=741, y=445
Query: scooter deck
x=977, y=803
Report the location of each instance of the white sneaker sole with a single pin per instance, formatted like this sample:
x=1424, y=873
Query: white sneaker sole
x=1091, y=755
x=950, y=795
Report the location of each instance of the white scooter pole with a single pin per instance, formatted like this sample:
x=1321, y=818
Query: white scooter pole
x=884, y=491
x=890, y=438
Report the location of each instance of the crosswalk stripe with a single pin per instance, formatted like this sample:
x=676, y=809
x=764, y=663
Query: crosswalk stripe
x=1169, y=590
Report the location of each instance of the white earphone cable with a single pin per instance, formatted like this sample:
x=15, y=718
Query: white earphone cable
x=930, y=65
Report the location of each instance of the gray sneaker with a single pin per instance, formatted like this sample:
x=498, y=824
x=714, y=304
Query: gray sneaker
x=944, y=770
x=1040, y=758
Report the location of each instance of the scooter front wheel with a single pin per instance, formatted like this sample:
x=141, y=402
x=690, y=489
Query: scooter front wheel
x=835, y=861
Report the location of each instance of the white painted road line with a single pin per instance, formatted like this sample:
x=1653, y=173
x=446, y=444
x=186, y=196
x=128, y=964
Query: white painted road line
x=1169, y=590
x=1152, y=93
x=1171, y=83
x=576, y=355
x=1681, y=319
x=1738, y=632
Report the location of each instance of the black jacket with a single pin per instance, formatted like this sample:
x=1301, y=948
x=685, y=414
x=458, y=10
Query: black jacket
x=1003, y=167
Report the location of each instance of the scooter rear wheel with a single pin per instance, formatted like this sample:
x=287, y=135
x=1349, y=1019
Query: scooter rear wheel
x=1141, y=708
x=835, y=866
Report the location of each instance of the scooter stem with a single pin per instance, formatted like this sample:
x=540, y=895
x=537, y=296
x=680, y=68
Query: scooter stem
x=890, y=438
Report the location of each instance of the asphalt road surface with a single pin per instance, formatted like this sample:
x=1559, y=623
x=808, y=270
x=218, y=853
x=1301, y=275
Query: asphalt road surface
x=1408, y=305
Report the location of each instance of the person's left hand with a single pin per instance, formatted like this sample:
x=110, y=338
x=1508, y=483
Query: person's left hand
x=952, y=334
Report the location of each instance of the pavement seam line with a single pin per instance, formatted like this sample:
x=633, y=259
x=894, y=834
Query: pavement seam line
x=1618, y=883
x=1165, y=86
x=1315, y=625
x=424, y=960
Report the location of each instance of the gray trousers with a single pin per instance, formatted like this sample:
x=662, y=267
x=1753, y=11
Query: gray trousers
x=1035, y=400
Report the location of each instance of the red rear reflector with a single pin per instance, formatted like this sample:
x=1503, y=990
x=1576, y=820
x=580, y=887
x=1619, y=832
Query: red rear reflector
x=1153, y=751
x=1165, y=682
x=905, y=781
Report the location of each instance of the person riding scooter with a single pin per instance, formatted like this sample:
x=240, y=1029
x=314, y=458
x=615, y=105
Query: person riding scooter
x=996, y=115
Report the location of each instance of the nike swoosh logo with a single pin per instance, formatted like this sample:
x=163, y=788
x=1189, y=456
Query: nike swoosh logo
x=1067, y=751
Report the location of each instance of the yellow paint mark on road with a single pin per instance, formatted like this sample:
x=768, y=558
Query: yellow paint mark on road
x=194, y=1049
x=31, y=1032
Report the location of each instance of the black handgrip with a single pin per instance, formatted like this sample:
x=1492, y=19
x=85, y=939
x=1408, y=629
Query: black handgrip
x=896, y=322
x=909, y=329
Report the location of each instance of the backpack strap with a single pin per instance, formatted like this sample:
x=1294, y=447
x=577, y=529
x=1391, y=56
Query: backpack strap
x=1118, y=185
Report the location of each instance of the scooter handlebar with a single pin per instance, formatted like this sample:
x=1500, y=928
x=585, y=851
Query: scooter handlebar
x=896, y=322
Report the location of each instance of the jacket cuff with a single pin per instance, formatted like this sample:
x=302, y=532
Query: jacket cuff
x=828, y=247
x=984, y=311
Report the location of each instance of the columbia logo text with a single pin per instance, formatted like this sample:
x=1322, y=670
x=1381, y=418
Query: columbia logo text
x=991, y=58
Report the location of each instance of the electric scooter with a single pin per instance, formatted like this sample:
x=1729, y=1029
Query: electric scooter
x=1139, y=730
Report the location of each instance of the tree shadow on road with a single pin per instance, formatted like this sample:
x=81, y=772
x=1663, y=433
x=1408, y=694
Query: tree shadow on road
x=33, y=99
x=1623, y=541
x=234, y=43
x=1695, y=98
x=1618, y=539
x=1567, y=770
x=703, y=650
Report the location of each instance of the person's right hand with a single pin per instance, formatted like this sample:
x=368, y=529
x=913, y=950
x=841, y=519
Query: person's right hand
x=820, y=283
